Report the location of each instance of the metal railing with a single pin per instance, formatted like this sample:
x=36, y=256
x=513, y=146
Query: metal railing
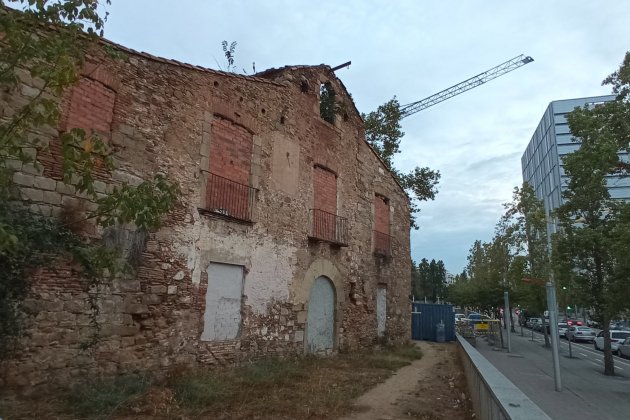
x=329, y=227
x=382, y=244
x=229, y=198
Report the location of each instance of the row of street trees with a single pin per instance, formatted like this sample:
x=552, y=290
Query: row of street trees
x=428, y=280
x=590, y=253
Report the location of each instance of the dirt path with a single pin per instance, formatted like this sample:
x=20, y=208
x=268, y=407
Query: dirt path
x=430, y=388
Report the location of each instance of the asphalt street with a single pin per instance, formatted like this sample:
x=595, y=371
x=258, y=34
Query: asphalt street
x=587, y=393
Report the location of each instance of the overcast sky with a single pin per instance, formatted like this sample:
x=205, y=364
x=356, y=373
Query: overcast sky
x=413, y=49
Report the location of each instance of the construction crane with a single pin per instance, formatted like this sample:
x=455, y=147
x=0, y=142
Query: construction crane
x=473, y=82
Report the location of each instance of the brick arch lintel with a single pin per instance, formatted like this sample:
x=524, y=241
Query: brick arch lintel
x=99, y=73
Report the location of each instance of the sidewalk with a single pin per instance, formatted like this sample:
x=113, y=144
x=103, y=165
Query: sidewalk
x=587, y=394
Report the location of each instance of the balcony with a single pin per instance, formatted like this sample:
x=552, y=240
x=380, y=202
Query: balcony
x=382, y=244
x=329, y=227
x=228, y=198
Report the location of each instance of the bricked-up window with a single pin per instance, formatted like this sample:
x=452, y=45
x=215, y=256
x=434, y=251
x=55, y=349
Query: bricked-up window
x=91, y=106
x=382, y=239
x=228, y=191
x=324, y=190
x=326, y=225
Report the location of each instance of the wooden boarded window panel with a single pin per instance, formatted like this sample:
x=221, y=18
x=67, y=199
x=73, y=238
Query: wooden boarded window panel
x=228, y=191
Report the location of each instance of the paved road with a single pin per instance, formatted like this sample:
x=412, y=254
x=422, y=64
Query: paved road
x=587, y=393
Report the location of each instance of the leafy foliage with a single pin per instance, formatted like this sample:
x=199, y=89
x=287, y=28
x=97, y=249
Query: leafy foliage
x=327, y=103
x=383, y=132
x=591, y=253
x=429, y=280
x=44, y=43
x=229, y=53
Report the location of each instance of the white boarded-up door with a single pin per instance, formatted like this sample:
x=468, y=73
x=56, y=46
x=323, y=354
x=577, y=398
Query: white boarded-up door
x=222, y=317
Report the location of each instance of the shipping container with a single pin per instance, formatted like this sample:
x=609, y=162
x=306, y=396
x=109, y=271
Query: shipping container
x=426, y=316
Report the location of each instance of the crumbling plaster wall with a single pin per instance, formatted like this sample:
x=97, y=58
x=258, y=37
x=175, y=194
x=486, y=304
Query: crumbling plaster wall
x=162, y=120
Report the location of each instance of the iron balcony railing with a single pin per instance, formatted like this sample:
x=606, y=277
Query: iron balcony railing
x=382, y=244
x=329, y=227
x=229, y=198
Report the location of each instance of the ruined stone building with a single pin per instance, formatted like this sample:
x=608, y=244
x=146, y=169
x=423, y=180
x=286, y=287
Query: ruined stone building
x=290, y=235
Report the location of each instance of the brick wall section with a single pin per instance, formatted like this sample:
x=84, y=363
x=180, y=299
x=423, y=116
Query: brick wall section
x=381, y=214
x=91, y=106
x=230, y=151
x=324, y=190
x=324, y=198
x=227, y=187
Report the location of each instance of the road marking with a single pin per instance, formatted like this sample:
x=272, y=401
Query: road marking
x=585, y=355
x=620, y=368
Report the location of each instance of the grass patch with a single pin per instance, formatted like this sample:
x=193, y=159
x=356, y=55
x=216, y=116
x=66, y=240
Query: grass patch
x=101, y=399
x=309, y=387
x=273, y=372
x=409, y=352
x=199, y=390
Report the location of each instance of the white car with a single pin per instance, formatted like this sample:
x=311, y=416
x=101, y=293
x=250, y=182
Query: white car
x=579, y=333
x=616, y=337
x=624, y=348
x=562, y=329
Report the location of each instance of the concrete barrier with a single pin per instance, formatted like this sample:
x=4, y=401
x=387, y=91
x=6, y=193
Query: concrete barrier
x=494, y=397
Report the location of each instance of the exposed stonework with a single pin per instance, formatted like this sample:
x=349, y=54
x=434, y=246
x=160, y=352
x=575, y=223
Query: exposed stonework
x=173, y=119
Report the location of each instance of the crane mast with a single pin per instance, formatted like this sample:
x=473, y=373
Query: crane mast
x=473, y=82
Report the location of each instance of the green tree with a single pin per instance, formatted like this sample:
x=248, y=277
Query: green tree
x=524, y=224
x=383, y=132
x=591, y=249
x=30, y=49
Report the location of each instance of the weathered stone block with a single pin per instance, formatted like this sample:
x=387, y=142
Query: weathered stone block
x=23, y=179
x=52, y=197
x=172, y=290
x=32, y=194
x=151, y=299
x=158, y=290
x=299, y=336
x=301, y=317
x=136, y=308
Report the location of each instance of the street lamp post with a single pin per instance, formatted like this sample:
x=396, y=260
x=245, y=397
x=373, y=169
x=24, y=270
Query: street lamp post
x=553, y=308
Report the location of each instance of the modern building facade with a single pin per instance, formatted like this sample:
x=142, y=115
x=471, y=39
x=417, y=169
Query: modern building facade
x=542, y=164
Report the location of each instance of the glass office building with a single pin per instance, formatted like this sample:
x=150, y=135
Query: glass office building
x=542, y=161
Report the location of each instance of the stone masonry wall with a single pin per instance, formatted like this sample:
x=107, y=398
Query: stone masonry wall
x=168, y=117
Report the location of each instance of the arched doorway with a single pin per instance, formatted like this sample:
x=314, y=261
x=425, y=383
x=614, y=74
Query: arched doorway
x=320, y=332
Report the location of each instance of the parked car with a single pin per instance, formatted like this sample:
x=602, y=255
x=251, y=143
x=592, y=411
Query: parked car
x=459, y=317
x=532, y=322
x=580, y=333
x=562, y=329
x=536, y=324
x=592, y=324
x=616, y=337
x=624, y=348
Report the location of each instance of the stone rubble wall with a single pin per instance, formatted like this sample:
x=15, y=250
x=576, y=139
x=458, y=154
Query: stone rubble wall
x=162, y=122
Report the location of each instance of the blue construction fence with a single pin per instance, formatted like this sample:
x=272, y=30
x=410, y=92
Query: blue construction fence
x=425, y=318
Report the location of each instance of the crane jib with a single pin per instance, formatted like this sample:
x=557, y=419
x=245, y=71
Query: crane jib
x=471, y=83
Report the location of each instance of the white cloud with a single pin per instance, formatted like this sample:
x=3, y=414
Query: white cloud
x=413, y=49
